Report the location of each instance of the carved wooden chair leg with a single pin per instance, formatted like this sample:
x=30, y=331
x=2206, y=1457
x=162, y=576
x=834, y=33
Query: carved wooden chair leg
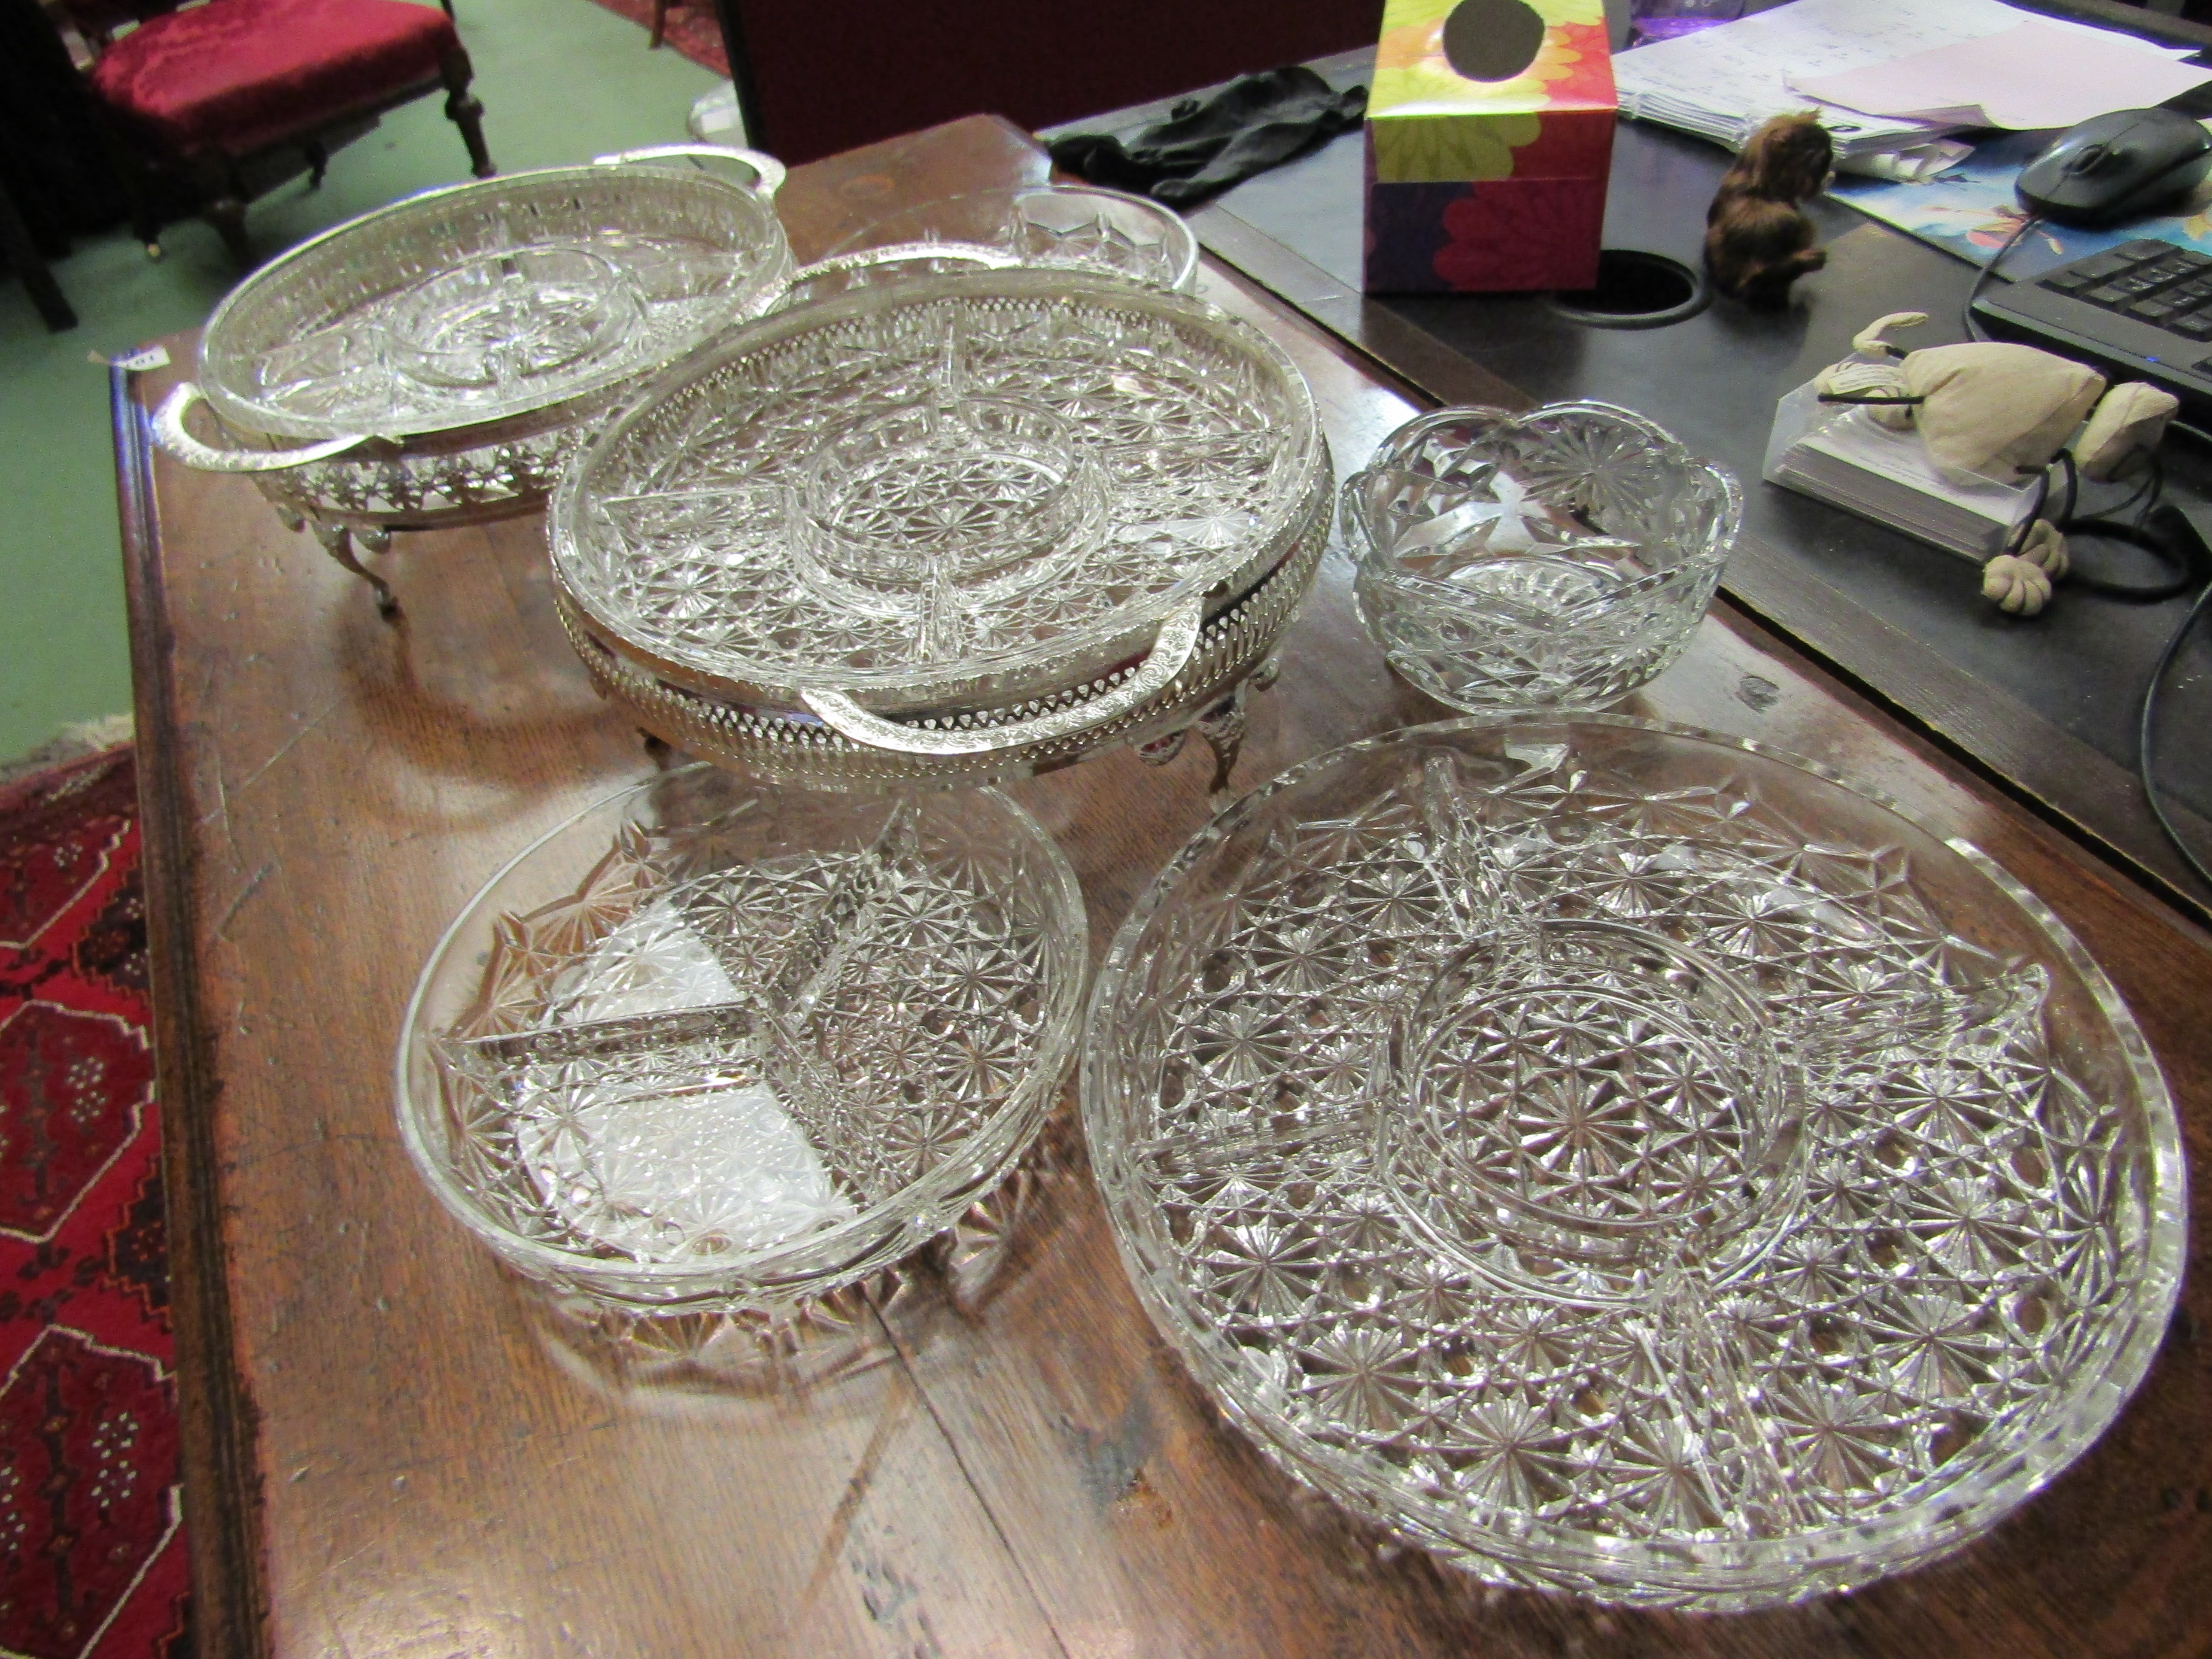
x=464, y=110
x=227, y=215
x=127, y=163
x=338, y=542
x=319, y=162
x=222, y=196
x=659, y=23
x=31, y=265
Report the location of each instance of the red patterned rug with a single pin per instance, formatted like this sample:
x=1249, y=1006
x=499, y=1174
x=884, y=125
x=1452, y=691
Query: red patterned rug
x=693, y=29
x=91, y=1556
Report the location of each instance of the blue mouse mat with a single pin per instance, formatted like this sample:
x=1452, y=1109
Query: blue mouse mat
x=1971, y=210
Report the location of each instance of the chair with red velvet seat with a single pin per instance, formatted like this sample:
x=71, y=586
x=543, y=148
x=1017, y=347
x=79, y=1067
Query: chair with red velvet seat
x=211, y=93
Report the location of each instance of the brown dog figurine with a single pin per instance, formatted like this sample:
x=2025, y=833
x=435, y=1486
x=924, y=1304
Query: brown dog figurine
x=1757, y=241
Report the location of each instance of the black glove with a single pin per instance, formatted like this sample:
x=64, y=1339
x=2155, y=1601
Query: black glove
x=1208, y=144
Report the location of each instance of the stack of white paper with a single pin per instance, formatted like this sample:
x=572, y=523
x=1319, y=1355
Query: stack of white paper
x=2033, y=76
x=1851, y=462
x=1721, y=82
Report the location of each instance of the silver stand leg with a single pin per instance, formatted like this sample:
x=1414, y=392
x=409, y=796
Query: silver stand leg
x=1223, y=728
x=338, y=542
x=1160, y=750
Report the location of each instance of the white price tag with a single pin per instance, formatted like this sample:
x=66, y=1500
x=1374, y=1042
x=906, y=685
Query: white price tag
x=136, y=362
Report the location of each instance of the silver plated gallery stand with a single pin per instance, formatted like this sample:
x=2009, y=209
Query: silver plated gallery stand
x=949, y=530
x=437, y=362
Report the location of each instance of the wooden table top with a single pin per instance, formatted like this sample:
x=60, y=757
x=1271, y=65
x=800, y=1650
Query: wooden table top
x=383, y=1460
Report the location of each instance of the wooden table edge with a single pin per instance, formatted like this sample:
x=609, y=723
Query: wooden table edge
x=220, y=1495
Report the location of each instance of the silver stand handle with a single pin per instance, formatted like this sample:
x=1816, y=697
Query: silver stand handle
x=169, y=432
x=1171, y=654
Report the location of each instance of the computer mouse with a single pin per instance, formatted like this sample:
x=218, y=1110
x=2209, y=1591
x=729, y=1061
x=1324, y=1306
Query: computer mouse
x=2116, y=166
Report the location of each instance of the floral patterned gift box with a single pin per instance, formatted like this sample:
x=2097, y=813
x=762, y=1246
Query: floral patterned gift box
x=1489, y=135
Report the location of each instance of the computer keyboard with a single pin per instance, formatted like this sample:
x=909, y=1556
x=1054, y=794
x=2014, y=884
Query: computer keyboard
x=2142, y=311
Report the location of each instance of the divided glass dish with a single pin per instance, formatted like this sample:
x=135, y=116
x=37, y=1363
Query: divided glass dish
x=436, y=360
x=712, y=1047
x=953, y=528
x=1626, y=1160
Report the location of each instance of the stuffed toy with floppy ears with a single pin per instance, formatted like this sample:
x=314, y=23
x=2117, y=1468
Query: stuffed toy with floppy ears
x=1990, y=412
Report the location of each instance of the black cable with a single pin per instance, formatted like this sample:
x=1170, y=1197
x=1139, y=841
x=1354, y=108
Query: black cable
x=2018, y=540
x=1982, y=281
x=2165, y=535
x=2145, y=495
x=2144, y=732
x=2138, y=534
x=2061, y=519
x=2174, y=540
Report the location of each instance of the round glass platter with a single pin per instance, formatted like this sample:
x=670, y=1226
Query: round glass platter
x=487, y=302
x=1626, y=1160
x=710, y=1046
x=934, y=497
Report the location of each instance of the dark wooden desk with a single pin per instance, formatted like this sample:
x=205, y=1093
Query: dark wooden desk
x=2044, y=707
x=383, y=1462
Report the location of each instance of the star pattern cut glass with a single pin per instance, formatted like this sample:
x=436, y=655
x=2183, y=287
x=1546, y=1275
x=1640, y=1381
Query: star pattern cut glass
x=1072, y=227
x=958, y=491
x=1623, y=1160
x=440, y=361
x=1558, y=559
x=712, y=1046
x=492, y=300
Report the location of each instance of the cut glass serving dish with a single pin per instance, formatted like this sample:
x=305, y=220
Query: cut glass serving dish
x=1557, y=559
x=711, y=1047
x=437, y=361
x=1063, y=226
x=956, y=527
x=1623, y=1160
x=1072, y=227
